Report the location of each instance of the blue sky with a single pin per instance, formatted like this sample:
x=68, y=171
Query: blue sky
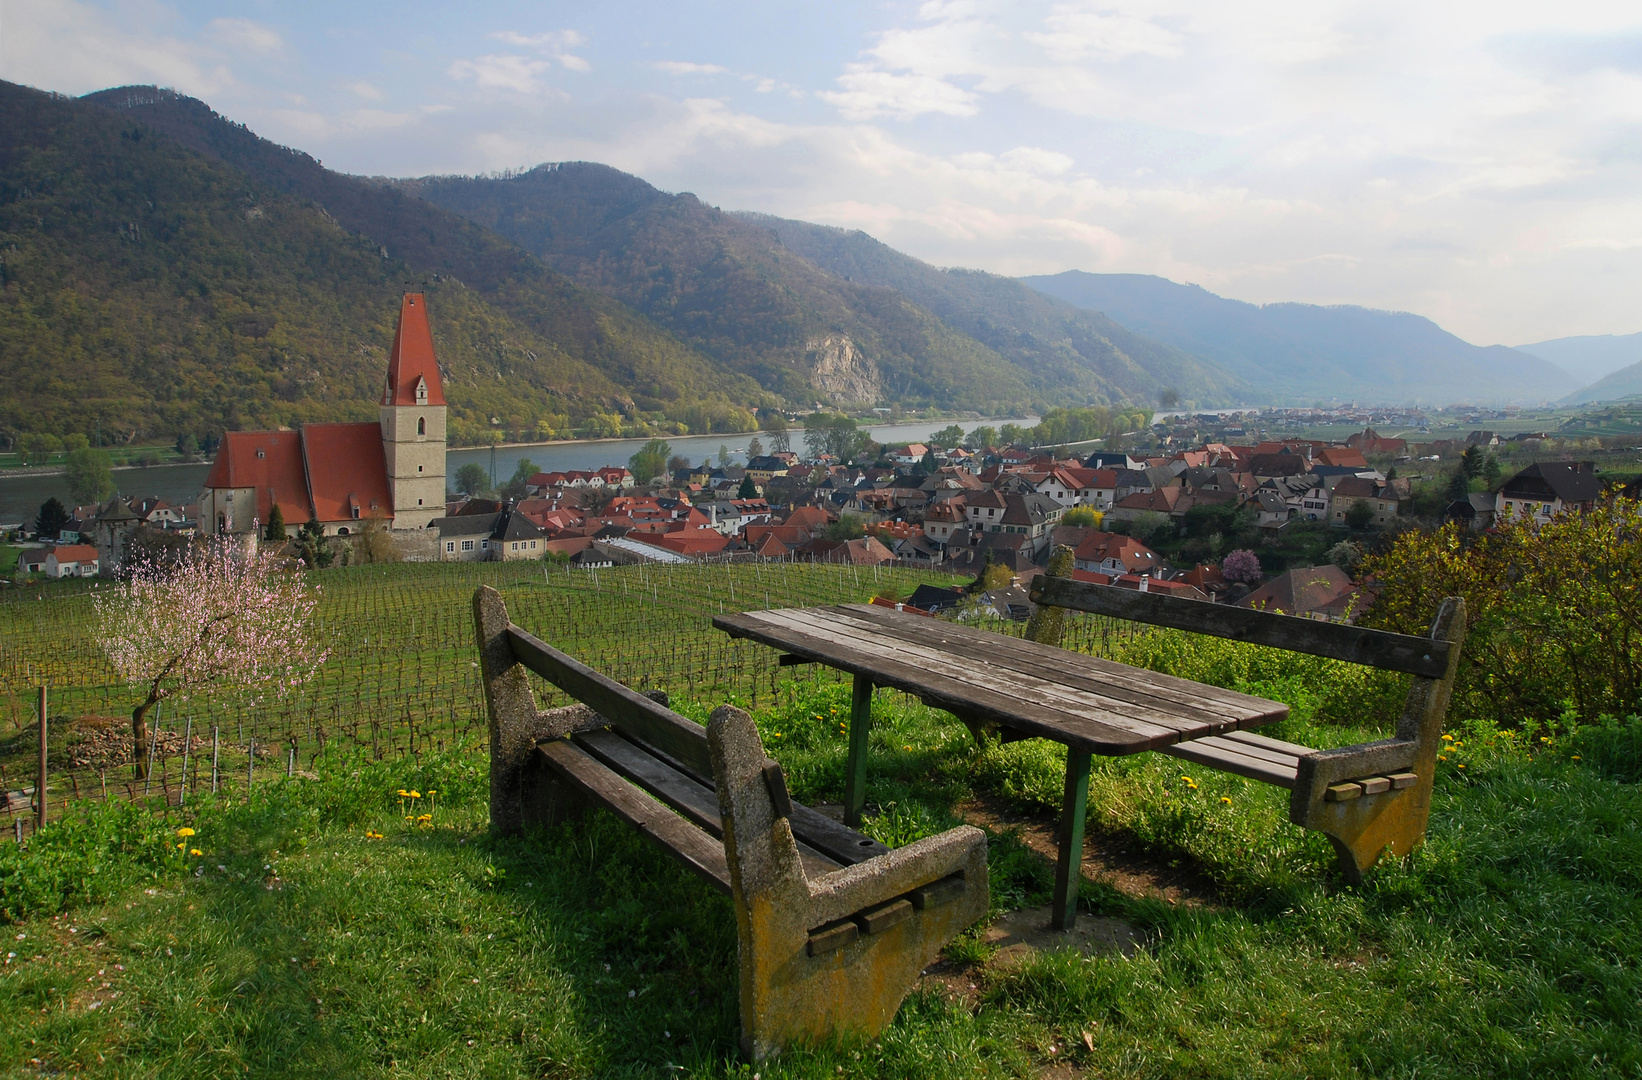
x=1475, y=162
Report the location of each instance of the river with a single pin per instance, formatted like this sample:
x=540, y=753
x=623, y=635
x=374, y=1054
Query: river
x=21, y=496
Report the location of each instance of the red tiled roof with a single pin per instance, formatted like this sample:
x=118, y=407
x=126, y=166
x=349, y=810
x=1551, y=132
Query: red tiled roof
x=412, y=357
x=270, y=462
x=346, y=471
x=75, y=553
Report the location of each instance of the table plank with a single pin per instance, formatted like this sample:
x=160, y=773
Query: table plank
x=971, y=702
x=1093, y=704
x=1110, y=681
x=1115, y=678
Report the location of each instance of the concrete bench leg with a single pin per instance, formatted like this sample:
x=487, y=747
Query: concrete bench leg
x=838, y=954
x=1363, y=827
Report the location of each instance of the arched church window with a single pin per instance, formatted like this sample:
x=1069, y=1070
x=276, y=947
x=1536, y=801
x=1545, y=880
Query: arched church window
x=421, y=425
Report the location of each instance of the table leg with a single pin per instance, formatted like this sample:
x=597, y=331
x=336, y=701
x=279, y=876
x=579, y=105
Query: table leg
x=855, y=778
x=1069, y=865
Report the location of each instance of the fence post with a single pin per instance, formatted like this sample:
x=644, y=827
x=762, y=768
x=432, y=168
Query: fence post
x=187, y=741
x=214, y=745
x=40, y=783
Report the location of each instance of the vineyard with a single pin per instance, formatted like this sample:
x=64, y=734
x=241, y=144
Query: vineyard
x=401, y=677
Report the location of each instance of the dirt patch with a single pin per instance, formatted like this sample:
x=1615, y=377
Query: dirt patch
x=1018, y=934
x=104, y=742
x=1104, y=860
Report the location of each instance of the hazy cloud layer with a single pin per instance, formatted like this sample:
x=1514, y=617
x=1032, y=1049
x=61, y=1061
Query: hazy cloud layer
x=1475, y=162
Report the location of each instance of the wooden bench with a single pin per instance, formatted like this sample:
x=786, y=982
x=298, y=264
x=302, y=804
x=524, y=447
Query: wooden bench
x=833, y=927
x=1365, y=798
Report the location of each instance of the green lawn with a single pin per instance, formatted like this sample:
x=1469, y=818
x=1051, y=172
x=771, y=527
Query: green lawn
x=298, y=944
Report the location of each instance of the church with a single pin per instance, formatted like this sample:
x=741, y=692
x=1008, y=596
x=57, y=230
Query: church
x=343, y=475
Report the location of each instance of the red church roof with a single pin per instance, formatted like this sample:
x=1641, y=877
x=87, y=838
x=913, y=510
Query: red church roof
x=347, y=471
x=270, y=462
x=411, y=360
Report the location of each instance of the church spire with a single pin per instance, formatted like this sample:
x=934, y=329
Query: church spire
x=413, y=374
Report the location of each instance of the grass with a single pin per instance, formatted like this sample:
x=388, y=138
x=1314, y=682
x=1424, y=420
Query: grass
x=300, y=944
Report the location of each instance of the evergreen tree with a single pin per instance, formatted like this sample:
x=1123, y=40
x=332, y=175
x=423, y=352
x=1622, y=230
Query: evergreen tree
x=275, y=532
x=52, y=517
x=748, y=489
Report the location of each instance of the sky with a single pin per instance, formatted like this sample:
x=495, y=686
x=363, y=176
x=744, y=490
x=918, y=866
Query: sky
x=1479, y=163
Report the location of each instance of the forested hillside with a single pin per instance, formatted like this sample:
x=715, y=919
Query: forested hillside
x=732, y=290
x=150, y=289
x=1298, y=353
x=1059, y=343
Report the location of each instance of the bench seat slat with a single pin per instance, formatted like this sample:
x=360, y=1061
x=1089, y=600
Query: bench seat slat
x=696, y=849
x=696, y=801
x=1217, y=753
x=1267, y=743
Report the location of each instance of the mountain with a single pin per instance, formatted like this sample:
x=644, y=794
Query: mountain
x=1624, y=383
x=732, y=287
x=1058, y=342
x=1299, y=353
x=151, y=289
x=1590, y=358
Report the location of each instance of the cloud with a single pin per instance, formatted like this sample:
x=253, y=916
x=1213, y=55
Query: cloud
x=245, y=36
x=74, y=47
x=365, y=90
x=867, y=94
x=501, y=72
x=683, y=67
x=554, y=43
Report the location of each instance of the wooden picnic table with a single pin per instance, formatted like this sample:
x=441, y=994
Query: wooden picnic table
x=1016, y=688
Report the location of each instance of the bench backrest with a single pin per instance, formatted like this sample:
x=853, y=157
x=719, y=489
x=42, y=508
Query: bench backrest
x=639, y=716
x=1423, y=656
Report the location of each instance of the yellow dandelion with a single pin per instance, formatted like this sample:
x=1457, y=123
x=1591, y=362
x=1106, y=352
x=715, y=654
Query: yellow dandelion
x=1225, y=800
x=195, y=851
x=185, y=831
x=1187, y=780
x=403, y=794
x=1461, y=765
x=416, y=794
x=1448, y=738
x=433, y=791
x=181, y=846
x=1576, y=757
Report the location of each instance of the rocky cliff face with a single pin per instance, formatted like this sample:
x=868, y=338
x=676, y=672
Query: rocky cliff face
x=840, y=372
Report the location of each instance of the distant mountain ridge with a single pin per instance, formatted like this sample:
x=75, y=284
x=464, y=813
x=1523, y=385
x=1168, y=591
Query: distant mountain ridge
x=733, y=286
x=1591, y=357
x=1299, y=353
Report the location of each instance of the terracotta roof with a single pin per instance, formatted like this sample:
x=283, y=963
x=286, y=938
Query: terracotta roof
x=75, y=553
x=1301, y=591
x=411, y=359
x=346, y=472
x=270, y=462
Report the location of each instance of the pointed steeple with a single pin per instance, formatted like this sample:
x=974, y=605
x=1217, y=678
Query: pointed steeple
x=413, y=374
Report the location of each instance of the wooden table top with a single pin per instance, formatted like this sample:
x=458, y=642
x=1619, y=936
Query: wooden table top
x=1029, y=689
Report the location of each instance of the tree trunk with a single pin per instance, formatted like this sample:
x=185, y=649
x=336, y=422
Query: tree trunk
x=139, y=738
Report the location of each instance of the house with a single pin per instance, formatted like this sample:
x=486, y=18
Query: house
x=935, y=598
x=466, y=538
x=1475, y=511
x=1114, y=554
x=1545, y=489
x=1273, y=508
x=1172, y=500
x=1313, y=592
x=71, y=560
x=868, y=551
x=33, y=560
x=1369, y=442
x=516, y=538
x=911, y=454
x=341, y=475
x=765, y=466
x=1382, y=499
x=944, y=517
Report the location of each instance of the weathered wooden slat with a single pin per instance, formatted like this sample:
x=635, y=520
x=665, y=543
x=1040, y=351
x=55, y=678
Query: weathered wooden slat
x=696, y=849
x=832, y=838
x=1111, y=678
x=661, y=727
x=1281, y=758
x=1267, y=743
x=1063, y=707
x=970, y=702
x=1082, y=683
x=1215, y=754
x=695, y=800
x=1375, y=648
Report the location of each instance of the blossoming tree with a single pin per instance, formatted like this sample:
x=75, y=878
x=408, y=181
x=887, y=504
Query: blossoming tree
x=220, y=616
x=1241, y=566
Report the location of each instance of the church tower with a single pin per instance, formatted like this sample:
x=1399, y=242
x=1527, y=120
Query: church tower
x=413, y=420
